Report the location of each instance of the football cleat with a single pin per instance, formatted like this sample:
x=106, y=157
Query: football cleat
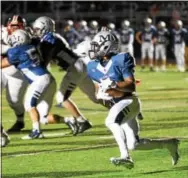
x=36, y=134
x=73, y=126
x=17, y=127
x=127, y=162
x=83, y=126
x=173, y=149
x=4, y=139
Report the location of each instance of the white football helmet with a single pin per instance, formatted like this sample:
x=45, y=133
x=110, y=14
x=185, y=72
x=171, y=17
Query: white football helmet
x=94, y=24
x=19, y=37
x=103, y=44
x=43, y=25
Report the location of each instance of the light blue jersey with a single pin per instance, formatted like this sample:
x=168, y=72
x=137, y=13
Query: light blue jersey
x=118, y=68
x=27, y=59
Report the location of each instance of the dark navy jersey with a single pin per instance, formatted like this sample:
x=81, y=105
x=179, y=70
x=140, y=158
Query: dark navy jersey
x=54, y=47
x=72, y=37
x=125, y=35
x=179, y=36
x=148, y=34
x=28, y=60
x=118, y=68
x=162, y=36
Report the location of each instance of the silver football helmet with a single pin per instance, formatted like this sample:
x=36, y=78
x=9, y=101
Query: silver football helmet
x=125, y=24
x=19, y=37
x=103, y=44
x=111, y=26
x=161, y=25
x=43, y=25
x=94, y=24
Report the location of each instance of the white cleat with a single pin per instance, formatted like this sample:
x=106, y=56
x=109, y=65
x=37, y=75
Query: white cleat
x=4, y=139
x=33, y=135
x=173, y=149
x=127, y=162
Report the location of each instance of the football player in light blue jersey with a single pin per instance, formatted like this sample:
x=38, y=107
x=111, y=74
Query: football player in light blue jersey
x=113, y=74
x=42, y=87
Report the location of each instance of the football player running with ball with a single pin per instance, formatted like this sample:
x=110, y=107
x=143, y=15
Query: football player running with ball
x=113, y=74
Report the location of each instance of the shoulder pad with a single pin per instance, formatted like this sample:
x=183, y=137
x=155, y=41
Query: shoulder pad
x=49, y=37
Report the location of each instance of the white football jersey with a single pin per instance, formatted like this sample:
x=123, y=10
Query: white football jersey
x=82, y=50
x=4, y=48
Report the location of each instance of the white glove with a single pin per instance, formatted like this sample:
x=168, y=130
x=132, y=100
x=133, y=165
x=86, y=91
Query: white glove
x=106, y=84
x=102, y=95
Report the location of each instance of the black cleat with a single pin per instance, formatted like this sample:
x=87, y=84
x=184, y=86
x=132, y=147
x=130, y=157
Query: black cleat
x=83, y=126
x=17, y=127
x=73, y=126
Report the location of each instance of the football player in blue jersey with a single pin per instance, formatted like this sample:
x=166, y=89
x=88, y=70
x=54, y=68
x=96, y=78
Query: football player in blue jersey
x=178, y=37
x=147, y=39
x=113, y=74
x=25, y=57
x=126, y=37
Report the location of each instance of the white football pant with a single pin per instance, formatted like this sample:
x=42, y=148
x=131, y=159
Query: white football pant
x=179, y=52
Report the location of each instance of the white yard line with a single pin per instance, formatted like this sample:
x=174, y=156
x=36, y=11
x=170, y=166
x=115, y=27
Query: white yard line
x=75, y=149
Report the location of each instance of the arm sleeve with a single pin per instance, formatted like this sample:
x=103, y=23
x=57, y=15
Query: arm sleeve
x=13, y=57
x=127, y=65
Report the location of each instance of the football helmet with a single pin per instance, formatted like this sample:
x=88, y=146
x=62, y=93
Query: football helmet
x=125, y=24
x=178, y=24
x=19, y=37
x=94, y=24
x=161, y=25
x=14, y=23
x=43, y=25
x=103, y=44
x=111, y=26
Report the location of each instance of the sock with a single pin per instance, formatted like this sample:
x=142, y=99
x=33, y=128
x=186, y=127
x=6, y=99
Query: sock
x=69, y=119
x=36, y=126
x=20, y=117
x=120, y=138
x=80, y=119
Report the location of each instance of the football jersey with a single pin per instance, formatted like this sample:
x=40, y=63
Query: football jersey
x=162, y=36
x=125, y=36
x=178, y=36
x=148, y=34
x=118, y=68
x=27, y=59
x=54, y=47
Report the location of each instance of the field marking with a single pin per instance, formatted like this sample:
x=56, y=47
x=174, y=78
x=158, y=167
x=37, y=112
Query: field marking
x=59, y=150
x=79, y=148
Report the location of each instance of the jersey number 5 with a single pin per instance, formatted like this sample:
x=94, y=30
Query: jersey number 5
x=34, y=56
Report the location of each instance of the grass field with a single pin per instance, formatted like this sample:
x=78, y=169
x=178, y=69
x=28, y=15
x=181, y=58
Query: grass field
x=164, y=99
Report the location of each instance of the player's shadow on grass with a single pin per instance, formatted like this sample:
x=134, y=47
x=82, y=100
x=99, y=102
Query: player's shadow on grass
x=182, y=168
x=59, y=174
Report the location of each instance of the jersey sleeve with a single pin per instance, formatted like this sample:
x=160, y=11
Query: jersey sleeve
x=126, y=65
x=13, y=56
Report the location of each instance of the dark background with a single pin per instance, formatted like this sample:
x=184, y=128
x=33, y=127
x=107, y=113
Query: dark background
x=102, y=11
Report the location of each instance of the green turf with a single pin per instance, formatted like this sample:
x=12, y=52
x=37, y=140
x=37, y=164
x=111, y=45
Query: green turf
x=164, y=99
